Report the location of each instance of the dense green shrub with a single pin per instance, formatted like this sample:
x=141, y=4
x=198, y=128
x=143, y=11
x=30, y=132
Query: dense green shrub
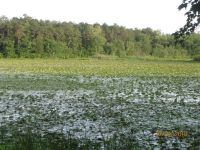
x=196, y=57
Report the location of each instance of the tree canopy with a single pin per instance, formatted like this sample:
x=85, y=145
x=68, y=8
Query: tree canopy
x=26, y=37
x=192, y=8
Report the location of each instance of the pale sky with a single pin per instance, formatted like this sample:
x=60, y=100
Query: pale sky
x=157, y=14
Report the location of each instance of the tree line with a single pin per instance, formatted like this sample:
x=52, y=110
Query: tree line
x=26, y=37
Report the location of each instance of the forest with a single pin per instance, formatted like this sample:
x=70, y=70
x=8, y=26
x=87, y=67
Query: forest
x=26, y=37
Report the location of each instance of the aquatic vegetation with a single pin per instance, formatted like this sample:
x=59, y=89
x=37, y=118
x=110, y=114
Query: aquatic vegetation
x=88, y=67
x=98, y=104
x=101, y=110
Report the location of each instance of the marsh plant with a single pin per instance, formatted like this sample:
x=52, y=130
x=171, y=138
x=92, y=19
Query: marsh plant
x=79, y=112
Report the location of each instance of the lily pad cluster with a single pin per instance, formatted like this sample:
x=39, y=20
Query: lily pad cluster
x=100, y=108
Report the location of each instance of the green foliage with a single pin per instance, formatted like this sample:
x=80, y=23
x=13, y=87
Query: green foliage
x=193, y=18
x=118, y=48
x=192, y=43
x=26, y=37
x=196, y=57
x=7, y=48
x=159, y=51
x=130, y=48
x=108, y=48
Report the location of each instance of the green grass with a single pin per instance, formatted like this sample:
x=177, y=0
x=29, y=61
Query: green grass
x=102, y=67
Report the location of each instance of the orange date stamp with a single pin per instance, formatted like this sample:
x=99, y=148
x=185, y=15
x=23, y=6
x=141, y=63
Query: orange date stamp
x=179, y=134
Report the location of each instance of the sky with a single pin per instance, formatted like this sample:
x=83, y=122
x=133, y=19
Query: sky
x=160, y=15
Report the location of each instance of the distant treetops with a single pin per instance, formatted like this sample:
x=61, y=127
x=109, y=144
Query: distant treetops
x=29, y=38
